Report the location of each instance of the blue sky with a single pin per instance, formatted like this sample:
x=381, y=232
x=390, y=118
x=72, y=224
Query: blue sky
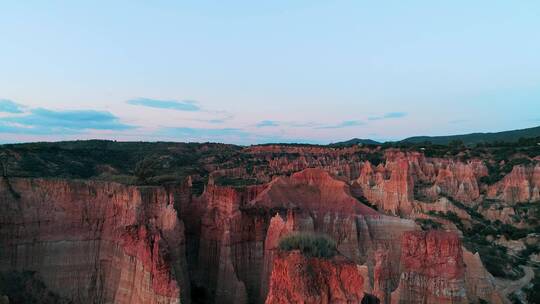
x=252, y=71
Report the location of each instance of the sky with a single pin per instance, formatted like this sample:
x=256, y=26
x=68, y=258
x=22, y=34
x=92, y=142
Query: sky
x=248, y=72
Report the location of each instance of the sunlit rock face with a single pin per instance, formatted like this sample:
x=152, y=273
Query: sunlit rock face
x=432, y=269
x=299, y=279
x=407, y=178
x=94, y=242
x=522, y=184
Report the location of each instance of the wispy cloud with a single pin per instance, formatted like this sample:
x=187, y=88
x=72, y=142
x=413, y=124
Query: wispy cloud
x=8, y=106
x=344, y=124
x=389, y=115
x=45, y=121
x=177, y=105
x=267, y=123
x=6, y=127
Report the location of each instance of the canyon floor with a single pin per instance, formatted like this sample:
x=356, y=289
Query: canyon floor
x=134, y=222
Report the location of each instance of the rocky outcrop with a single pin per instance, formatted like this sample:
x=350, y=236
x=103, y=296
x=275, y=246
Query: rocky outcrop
x=310, y=190
x=280, y=227
x=299, y=279
x=277, y=229
x=457, y=180
x=380, y=242
x=442, y=205
x=94, y=242
x=522, y=184
x=390, y=187
x=498, y=212
x=432, y=269
x=409, y=177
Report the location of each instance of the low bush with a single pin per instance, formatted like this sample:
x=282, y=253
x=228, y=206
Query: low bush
x=532, y=292
x=428, y=224
x=310, y=244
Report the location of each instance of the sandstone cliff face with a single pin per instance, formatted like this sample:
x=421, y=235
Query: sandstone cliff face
x=522, y=184
x=94, y=242
x=432, y=269
x=405, y=178
x=226, y=252
x=299, y=279
x=381, y=241
x=390, y=187
x=459, y=180
x=311, y=190
x=279, y=227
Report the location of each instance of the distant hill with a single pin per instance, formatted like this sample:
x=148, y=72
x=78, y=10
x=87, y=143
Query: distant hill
x=355, y=141
x=475, y=138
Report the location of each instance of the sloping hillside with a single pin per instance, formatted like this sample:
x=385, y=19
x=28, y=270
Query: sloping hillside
x=475, y=138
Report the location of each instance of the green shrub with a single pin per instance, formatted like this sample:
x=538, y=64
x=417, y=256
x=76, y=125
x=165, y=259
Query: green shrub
x=310, y=244
x=235, y=182
x=428, y=224
x=532, y=292
x=449, y=215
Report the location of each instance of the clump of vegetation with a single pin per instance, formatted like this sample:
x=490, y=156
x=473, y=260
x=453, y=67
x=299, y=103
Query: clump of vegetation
x=374, y=157
x=310, y=244
x=472, y=212
x=235, y=182
x=428, y=224
x=514, y=298
x=532, y=292
x=449, y=215
x=528, y=212
x=497, y=170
